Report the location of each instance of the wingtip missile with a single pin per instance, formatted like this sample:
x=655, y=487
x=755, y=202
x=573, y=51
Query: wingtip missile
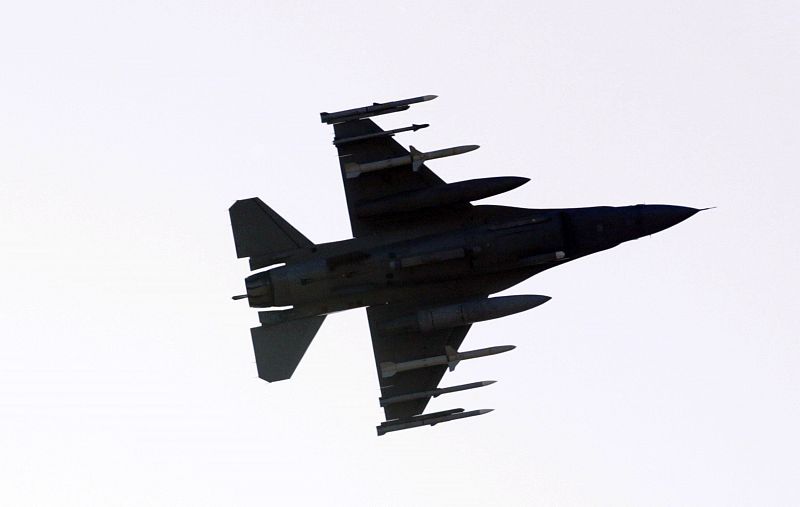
x=429, y=419
x=375, y=109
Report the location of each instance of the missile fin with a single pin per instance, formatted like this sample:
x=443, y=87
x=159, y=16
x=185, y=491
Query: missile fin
x=417, y=158
x=452, y=357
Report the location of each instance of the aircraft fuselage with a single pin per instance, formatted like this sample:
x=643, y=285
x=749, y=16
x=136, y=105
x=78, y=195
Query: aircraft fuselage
x=464, y=263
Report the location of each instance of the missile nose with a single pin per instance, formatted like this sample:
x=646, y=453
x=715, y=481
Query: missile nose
x=657, y=217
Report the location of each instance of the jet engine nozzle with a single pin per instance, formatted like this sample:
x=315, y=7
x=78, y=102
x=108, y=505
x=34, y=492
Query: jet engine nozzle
x=259, y=290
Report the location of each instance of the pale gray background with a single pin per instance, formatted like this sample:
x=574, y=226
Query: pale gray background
x=662, y=373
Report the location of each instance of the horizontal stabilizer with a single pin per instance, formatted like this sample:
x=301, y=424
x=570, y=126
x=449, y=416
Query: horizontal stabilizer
x=280, y=347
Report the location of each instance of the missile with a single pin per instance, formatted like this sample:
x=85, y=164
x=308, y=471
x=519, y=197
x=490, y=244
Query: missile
x=373, y=110
x=390, y=133
x=416, y=158
x=462, y=314
x=440, y=195
x=428, y=419
x=447, y=412
x=433, y=393
x=451, y=358
x=456, y=357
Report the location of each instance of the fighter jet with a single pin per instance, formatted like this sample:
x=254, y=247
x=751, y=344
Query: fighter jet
x=423, y=260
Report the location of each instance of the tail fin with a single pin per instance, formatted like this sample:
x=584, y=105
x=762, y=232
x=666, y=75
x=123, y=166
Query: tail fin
x=280, y=347
x=262, y=234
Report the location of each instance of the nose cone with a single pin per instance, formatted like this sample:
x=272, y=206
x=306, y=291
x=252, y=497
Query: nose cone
x=657, y=217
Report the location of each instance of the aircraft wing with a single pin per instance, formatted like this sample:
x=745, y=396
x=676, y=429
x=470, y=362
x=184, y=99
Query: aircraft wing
x=408, y=346
x=375, y=185
x=392, y=193
x=389, y=189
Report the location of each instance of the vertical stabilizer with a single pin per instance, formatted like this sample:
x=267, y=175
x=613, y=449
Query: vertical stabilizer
x=262, y=234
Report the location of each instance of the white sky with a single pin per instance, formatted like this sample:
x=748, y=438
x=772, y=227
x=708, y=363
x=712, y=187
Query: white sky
x=664, y=372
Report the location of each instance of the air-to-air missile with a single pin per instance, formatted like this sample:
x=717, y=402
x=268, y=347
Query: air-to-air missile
x=433, y=393
x=442, y=195
x=462, y=314
x=415, y=159
x=451, y=358
x=373, y=110
x=431, y=419
x=386, y=133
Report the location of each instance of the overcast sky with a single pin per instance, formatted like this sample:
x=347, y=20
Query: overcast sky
x=664, y=372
